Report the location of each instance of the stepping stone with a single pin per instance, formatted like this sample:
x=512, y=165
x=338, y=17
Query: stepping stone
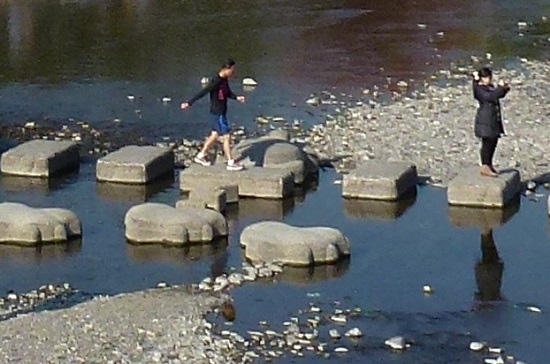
x=274, y=151
x=265, y=209
x=27, y=225
x=276, y=242
x=469, y=188
x=388, y=181
x=159, y=223
x=251, y=182
x=374, y=209
x=482, y=218
x=215, y=199
x=40, y=158
x=135, y=165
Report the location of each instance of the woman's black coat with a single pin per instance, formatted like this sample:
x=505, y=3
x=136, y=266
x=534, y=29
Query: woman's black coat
x=488, y=122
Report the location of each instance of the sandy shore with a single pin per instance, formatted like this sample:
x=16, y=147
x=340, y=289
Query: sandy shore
x=161, y=325
x=434, y=128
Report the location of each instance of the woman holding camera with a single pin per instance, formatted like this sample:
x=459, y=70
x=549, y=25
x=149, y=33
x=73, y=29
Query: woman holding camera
x=488, y=122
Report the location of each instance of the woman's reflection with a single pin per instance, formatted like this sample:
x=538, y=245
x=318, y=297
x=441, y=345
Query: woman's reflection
x=488, y=270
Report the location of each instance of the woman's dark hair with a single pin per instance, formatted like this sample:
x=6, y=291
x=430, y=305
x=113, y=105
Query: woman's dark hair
x=228, y=63
x=485, y=72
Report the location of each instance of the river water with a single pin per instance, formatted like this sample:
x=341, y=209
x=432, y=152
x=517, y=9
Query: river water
x=62, y=60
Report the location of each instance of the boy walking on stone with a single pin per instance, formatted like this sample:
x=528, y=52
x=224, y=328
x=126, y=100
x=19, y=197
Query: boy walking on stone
x=220, y=92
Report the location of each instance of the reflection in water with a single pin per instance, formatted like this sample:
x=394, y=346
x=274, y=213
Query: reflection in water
x=39, y=254
x=42, y=185
x=217, y=250
x=484, y=219
x=119, y=192
x=489, y=270
x=314, y=274
x=372, y=209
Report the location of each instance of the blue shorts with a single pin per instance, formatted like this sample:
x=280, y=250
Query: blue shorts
x=220, y=124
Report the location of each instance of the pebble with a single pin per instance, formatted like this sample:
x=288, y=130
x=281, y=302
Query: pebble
x=531, y=185
x=249, y=82
x=341, y=350
x=166, y=99
x=477, y=346
x=339, y=319
x=131, y=97
x=534, y=309
x=334, y=334
x=427, y=289
x=354, y=333
x=396, y=343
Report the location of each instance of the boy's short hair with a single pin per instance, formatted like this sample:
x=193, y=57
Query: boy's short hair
x=230, y=62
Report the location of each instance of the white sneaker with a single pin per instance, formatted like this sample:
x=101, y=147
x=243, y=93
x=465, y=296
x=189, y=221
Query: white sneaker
x=235, y=166
x=202, y=161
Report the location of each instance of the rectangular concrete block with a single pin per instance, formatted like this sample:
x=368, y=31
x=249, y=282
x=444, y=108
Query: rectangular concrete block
x=252, y=182
x=374, y=180
x=135, y=165
x=213, y=198
x=40, y=158
x=469, y=188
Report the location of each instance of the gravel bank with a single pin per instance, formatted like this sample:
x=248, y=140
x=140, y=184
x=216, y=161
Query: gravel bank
x=433, y=128
x=161, y=325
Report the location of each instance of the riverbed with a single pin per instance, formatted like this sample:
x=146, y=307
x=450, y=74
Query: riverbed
x=79, y=61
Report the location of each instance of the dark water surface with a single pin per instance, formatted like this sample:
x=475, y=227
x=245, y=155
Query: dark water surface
x=79, y=60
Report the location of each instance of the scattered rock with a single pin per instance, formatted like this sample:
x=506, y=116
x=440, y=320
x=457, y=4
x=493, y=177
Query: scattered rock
x=354, y=333
x=249, y=82
x=396, y=343
x=477, y=346
x=334, y=334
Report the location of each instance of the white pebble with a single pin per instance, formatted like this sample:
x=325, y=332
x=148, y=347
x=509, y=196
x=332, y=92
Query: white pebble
x=341, y=350
x=339, y=318
x=355, y=332
x=334, y=334
x=427, y=289
x=533, y=309
x=166, y=99
x=476, y=346
x=131, y=97
x=249, y=82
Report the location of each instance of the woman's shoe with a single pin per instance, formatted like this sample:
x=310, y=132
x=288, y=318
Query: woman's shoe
x=487, y=171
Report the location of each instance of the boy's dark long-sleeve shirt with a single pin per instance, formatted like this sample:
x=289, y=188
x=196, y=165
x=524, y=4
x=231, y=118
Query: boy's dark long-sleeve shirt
x=219, y=90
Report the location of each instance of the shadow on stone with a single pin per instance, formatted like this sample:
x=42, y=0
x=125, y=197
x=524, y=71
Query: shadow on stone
x=314, y=274
x=20, y=183
x=482, y=218
x=118, y=192
x=175, y=255
x=383, y=210
x=33, y=254
x=488, y=272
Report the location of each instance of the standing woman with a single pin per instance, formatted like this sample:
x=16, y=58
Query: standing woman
x=488, y=123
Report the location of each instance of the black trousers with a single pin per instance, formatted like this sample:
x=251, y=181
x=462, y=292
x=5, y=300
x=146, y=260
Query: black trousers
x=488, y=147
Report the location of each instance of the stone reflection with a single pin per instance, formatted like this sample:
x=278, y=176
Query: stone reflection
x=42, y=185
x=118, y=192
x=314, y=274
x=489, y=270
x=484, y=219
x=24, y=254
x=265, y=209
x=151, y=253
x=382, y=210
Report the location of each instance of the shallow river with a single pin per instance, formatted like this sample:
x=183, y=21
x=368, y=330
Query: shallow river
x=81, y=59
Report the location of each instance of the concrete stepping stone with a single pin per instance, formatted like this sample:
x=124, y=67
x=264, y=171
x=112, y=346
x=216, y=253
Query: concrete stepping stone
x=134, y=164
x=276, y=242
x=482, y=218
x=375, y=180
x=215, y=199
x=160, y=223
x=22, y=224
x=274, y=152
x=251, y=182
x=469, y=188
x=40, y=158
